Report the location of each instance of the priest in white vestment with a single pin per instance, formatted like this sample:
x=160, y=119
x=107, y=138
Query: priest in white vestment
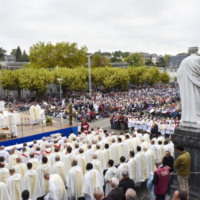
x=74, y=181
x=122, y=165
x=110, y=173
x=15, y=185
x=12, y=159
x=135, y=142
x=141, y=174
x=56, y=187
x=4, y=153
x=81, y=160
x=33, y=115
x=92, y=181
x=20, y=168
x=12, y=124
x=97, y=165
x=88, y=154
x=67, y=159
x=99, y=154
x=59, y=168
x=34, y=161
x=32, y=183
x=106, y=156
x=121, y=148
x=132, y=166
x=41, y=170
x=128, y=146
x=4, y=172
x=149, y=158
x=114, y=151
x=4, y=192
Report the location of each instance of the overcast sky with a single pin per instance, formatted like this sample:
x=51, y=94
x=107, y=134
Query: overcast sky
x=153, y=26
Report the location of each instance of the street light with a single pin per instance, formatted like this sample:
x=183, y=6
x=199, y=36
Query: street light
x=89, y=71
x=60, y=82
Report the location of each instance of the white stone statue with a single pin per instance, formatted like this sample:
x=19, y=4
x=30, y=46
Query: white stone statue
x=189, y=83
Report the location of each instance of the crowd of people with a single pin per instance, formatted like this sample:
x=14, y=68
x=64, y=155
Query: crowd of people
x=93, y=165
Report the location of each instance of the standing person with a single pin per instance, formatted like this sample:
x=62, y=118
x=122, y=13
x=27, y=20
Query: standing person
x=160, y=180
x=183, y=165
x=85, y=125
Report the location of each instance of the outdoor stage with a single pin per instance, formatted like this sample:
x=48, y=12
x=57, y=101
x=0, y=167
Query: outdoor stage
x=27, y=133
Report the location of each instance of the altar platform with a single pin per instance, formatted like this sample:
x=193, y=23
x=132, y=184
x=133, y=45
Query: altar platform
x=27, y=133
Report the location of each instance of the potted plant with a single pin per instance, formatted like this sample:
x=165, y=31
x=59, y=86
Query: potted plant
x=48, y=120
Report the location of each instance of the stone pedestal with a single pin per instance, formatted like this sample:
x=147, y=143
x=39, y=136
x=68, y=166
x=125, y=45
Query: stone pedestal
x=190, y=138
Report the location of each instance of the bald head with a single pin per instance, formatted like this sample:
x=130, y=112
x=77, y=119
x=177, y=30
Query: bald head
x=47, y=176
x=95, y=156
x=98, y=194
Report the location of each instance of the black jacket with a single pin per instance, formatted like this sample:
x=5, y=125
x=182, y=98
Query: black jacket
x=117, y=194
x=126, y=184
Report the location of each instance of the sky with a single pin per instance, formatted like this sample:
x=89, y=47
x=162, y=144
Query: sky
x=153, y=26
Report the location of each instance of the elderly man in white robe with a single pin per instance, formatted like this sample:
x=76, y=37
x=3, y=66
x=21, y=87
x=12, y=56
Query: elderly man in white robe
x=41, y=170
x=81, y=160
x=31, y=182
x=59, y=168
x=114, y=151
x=14, y=185
x=135, y=142
x=132, y=166
x=34, y=161
x=67, y=159
x=99, y=154
x=56, y=187
x=111, y=172
x=141, y=173
x=12, y=159
x=74, y=181
x=92, y=181
x=97, y=165
x=20, y=168
x=89, y=153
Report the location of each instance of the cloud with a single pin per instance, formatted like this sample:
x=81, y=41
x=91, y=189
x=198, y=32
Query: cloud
x=131, y=25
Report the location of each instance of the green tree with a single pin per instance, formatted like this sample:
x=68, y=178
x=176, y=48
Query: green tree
x=149, y=63
x=10, y=80
x=100, y=61
x=135, y=60
x=36, y=80
x=164, y=77
x=24, y=57
x=161, y=63
x=62, y=54
x=152, y=75
x=18, y=54
x=2, y=53
x=97, y=75
x=14, y=52
x=137, y=75
x=166, y=58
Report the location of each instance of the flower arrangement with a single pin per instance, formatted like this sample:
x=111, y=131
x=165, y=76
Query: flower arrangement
x=48, y=120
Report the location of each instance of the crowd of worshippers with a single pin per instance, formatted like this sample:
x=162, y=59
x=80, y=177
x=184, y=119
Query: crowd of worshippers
x=83, y=166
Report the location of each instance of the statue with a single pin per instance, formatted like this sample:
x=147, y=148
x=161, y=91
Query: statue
x=189, y=83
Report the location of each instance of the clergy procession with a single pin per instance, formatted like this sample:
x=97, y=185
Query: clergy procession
x=81, y=166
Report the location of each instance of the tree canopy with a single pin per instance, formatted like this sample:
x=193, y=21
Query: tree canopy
x=63, y=54
x=135, y=60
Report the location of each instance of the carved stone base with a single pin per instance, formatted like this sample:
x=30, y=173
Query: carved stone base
x=190, y=138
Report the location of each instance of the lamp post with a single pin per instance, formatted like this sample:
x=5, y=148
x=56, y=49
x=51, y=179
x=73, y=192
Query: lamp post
x=89, y=74
x=60, y=82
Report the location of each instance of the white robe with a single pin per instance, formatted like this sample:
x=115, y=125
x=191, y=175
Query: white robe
x=57, y=188
x=4, y=192
x=92, y=181
x=81, y=162
x=121, y=167
x=97, y=165
x=4, y=174
x=100, y=157
x=12, y=124
x=59, y=168
x=12, y=160
x=106, y=157
x=150, y=166
x=41, y=170
x=67, y=160
x=32, y=184
x=132, y=169
x=114, y=153
x=15, y=186
x=74, y=182
x=110, y=173
x=21, y=169
x=35, y=162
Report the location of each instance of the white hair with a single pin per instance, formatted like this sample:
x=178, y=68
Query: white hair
x=131, y=194
x=115, y=181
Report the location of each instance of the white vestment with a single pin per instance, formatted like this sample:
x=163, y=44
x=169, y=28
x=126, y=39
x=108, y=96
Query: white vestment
x=41, y=170
x=57, y=188
x=15, y=186
x=33, y=114
x=74, y=181
x=12, y=160
x=35, y=162
x=88, y=155
x=92, y=181
x=59, y=168
x=5, y=154
x=4, y=174
x=121, y=167
x=32, y=184
x=67, y=160
x=4, y=192
x=106, y=157
x=132, y=169
x=81, y=162
x=12, y=124
x=21, y=169
x=110, y=173
x=100, y=157
x=114, y=153
x=97, y=165
x=150, y=166
x=141, y=174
